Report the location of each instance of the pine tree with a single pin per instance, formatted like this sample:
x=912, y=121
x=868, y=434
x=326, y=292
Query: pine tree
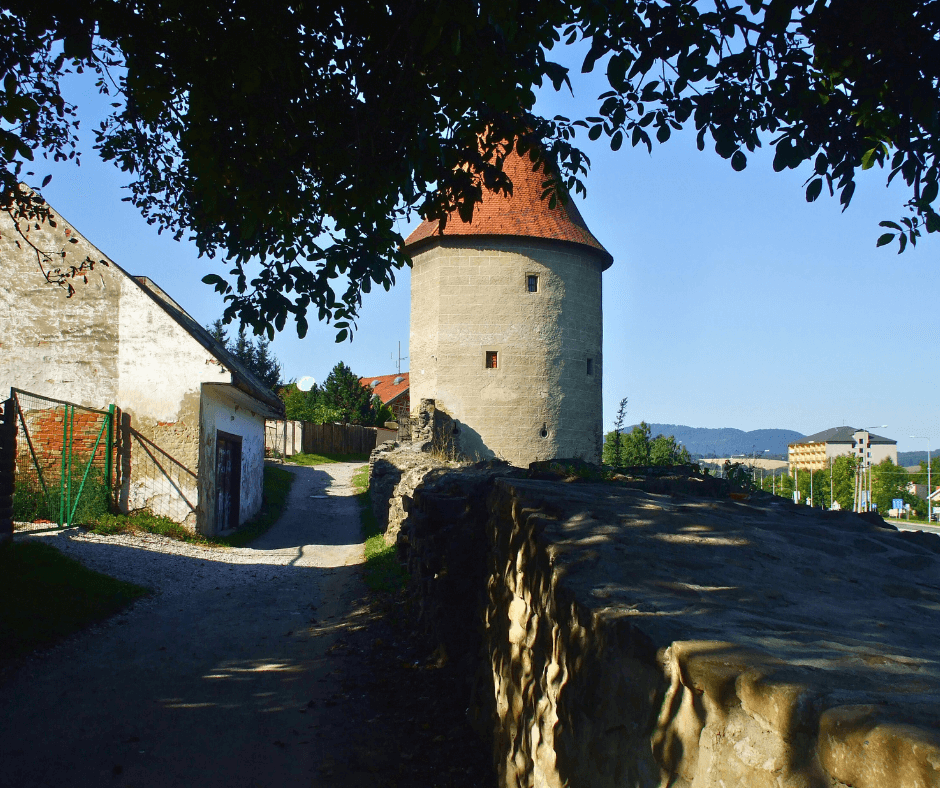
x=255, y=356
x=264, y=364
x=343, y=391
x=219, y=333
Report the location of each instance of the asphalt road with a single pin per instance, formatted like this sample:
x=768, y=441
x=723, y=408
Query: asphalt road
x=226, y=682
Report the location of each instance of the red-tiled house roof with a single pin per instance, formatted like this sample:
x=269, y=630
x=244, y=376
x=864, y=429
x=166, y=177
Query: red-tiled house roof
x=392, y=390
x=524, y=214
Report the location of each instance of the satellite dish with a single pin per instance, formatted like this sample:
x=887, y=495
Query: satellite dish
x=306, y=383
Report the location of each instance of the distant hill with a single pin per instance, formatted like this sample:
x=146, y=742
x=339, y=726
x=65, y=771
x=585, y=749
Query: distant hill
x=916, y=457
x=726, y=441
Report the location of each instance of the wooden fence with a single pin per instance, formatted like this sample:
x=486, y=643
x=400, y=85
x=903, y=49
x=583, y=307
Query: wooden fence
x=338, y=439
x=323, y=438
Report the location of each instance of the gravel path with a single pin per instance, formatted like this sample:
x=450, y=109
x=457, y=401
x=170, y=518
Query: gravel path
x=214, y=680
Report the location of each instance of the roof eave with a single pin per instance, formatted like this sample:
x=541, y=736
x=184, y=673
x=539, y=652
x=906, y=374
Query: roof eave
x=604, y=257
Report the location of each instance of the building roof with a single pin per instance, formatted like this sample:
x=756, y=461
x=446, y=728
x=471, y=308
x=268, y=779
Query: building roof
x=387, y=387
x=841, y=435
x=242, y=377
x=523, y=214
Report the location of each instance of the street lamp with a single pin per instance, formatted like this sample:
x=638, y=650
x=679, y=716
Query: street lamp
x=925, y=438
x=868, y=457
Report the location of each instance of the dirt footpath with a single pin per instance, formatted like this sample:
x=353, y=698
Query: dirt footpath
x=249, y=667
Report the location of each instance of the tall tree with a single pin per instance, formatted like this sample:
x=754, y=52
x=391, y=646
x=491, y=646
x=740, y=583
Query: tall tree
x=890, y=482
x=349, y=115
x=343, y=392
x=255, y=354
x=613, y=444
x=845, y=468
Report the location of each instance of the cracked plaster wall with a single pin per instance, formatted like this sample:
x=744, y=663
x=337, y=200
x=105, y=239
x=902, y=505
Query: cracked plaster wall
x=112, y=343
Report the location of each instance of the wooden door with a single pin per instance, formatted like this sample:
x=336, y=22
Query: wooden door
x=228, y=480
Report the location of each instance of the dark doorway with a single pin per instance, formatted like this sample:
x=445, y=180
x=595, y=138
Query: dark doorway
x=228, y=480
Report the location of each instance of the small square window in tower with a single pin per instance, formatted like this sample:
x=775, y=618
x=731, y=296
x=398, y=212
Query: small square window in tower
x=492, y=359
x=532, y=283
x=590, y=366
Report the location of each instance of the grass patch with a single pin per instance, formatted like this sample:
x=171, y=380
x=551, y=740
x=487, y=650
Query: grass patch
x=48, y=596
x=382, y=572
x=277, y=484
x=143, y=522
x=325, y=459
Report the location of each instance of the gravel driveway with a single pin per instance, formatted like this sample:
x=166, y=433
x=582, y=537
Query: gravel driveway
x=223, y=677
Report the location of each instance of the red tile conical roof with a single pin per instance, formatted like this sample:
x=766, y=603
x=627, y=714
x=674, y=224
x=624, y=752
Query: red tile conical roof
x=524, y=214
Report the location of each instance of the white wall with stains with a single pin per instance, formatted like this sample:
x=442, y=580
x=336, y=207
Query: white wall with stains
x=113, y=342
x=229, y=411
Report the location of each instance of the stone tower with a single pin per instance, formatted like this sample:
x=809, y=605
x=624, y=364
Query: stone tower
x=506, y=325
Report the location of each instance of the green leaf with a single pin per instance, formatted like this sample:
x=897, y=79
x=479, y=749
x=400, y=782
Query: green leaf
x=617, y=71
x=663, y=133
x=885, y=239
x=868, y=159
x=595, y=132
x=928, y=195
x=616, y=141
x=738, y=161
x=814, y=189
x=341, y=335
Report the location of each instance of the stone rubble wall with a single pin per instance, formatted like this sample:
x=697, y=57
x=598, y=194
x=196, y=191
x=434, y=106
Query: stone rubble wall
x=613, y=636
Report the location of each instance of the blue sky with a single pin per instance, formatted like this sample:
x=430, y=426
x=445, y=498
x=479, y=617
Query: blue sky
x=731, y=302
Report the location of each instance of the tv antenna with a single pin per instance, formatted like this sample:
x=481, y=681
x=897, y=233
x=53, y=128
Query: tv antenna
x=400, y=357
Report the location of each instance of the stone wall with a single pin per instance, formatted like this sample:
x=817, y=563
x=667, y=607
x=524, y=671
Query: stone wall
x=621, y=637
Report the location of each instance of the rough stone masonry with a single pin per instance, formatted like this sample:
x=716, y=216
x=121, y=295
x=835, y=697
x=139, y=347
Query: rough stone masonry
x=655, y=632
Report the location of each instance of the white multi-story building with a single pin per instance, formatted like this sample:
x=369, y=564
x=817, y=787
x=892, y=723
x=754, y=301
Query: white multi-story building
x=815, y=452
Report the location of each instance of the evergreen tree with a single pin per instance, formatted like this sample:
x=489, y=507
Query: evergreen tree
x=616, y=444
x=343, y=391
x=264, y=364
x=255, y=355
x=218, y=332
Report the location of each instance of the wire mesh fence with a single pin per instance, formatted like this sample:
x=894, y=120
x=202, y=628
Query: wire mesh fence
x=153, y=478
x=64, y=460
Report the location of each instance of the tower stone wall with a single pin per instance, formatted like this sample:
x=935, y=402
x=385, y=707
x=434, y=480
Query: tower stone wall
x=472, y=297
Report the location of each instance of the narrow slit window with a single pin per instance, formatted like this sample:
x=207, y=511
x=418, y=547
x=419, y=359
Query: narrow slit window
x=590, y=366
x=492, y=359
x=532, y=283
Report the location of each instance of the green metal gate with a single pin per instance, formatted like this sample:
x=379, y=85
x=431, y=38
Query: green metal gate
x=64, y=460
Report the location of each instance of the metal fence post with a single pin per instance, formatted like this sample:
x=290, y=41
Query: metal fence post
x=65, y=446
x=109, y=457
x=7, y=469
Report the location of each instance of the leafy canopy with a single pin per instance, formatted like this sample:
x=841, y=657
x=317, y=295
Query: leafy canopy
x=639, y=449
x=295, y=134
x=307, y=405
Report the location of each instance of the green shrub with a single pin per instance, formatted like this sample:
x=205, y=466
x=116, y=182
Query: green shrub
x=31, y=504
